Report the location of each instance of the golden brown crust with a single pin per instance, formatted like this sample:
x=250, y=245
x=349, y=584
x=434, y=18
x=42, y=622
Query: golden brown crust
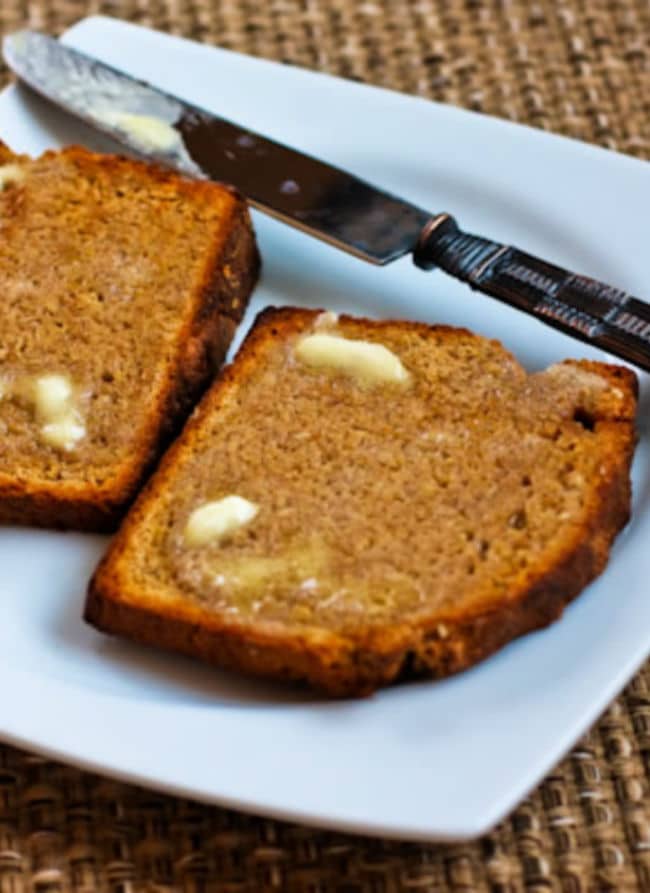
x=329, y=661
x=228, y=278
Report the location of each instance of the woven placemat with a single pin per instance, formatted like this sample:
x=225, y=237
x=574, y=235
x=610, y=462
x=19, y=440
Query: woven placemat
x=578, y=67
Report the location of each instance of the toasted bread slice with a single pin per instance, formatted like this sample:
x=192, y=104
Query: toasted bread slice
x=354, y=502
x=122, y=285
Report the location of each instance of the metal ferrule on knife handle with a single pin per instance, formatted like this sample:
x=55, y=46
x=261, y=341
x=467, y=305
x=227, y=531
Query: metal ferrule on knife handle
x=584, y=308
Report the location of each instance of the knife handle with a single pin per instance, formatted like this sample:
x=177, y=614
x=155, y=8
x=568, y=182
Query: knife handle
x=585, y=308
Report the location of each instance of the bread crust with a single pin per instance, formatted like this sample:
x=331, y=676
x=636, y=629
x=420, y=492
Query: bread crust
x=344, y=666
x=218, y=303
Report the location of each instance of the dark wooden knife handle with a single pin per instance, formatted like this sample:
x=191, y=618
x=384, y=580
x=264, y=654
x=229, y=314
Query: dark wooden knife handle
x=585, y=308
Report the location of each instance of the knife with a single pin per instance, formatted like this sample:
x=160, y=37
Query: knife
x=323, y=200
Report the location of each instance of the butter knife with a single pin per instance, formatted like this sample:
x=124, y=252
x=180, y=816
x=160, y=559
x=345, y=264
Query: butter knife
x=323, y=200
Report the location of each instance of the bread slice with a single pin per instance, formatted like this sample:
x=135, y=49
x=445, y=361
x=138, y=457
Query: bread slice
x=121, y=285
x=347, y=514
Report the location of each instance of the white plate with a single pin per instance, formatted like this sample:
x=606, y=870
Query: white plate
x=430, y=760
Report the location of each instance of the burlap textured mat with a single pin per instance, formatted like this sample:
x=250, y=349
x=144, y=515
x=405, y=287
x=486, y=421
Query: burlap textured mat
x=578, y=67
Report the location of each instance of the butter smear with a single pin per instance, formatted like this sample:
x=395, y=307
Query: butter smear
x=149, y=134
x=365, y=361
x=60, y=421
x=216, y=520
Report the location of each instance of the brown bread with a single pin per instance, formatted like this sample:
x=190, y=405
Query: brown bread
x=402, y=528
x=125, y=283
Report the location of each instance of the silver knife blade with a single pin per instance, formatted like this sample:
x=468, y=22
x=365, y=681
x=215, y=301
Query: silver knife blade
x=322, y=200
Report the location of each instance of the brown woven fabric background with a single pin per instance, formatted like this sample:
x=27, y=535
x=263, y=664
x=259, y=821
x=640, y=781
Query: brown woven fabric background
x=579, y=67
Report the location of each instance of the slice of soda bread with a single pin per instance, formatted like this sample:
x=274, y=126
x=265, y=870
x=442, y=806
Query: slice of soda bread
x=354, y=502
x=121, y=287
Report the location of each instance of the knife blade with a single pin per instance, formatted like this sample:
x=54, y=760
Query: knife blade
x=322, y=200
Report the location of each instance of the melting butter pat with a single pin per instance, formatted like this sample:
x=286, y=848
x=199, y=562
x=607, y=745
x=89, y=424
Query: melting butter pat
x=366, y=361
x=64, y=433
x=10, y=173
x=296, y=566
x=216, y=520
x=52, y=396
x=148, y=133
x=326, y=320
x=53, y=400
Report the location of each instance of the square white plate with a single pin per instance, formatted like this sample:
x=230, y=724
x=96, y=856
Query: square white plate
x=429, y=760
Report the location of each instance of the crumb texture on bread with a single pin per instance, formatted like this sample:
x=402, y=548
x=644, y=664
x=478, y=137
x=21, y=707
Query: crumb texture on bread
x=126, y=281
x=398, y=530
